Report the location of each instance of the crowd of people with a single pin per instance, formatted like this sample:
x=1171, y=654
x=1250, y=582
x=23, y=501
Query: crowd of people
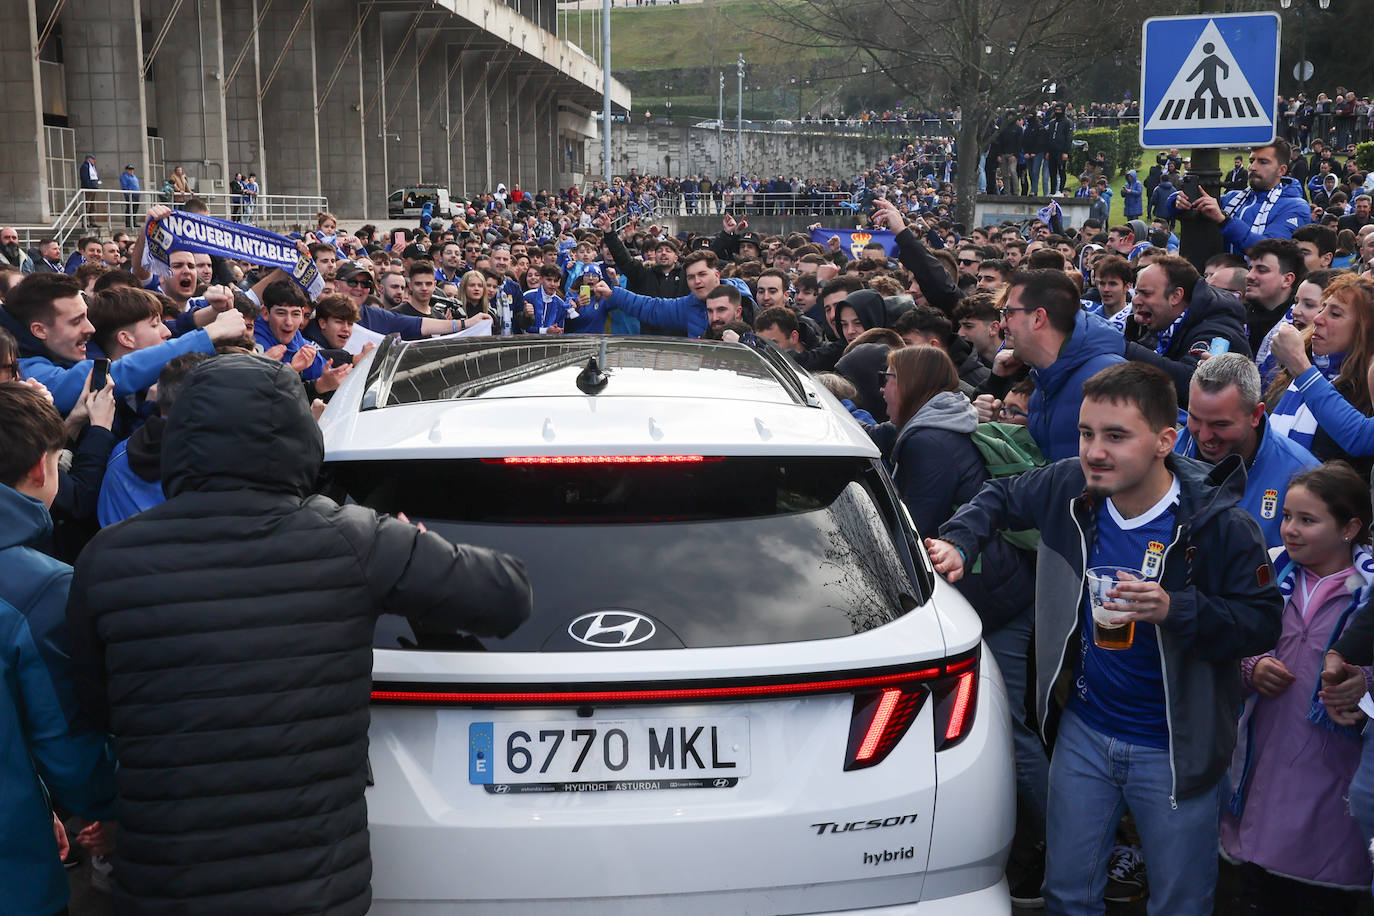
x=1208, y=432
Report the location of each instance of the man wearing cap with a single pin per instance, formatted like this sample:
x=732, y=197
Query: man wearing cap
x=129, y=182
x=90, y=180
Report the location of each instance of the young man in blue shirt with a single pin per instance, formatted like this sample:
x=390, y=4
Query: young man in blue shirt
x=1151, y=727
x=543, y=306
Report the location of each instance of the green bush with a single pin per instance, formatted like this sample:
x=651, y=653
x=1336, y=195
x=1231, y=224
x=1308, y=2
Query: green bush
x=1364, y=156
x=1105, y=139
x=1128, y=148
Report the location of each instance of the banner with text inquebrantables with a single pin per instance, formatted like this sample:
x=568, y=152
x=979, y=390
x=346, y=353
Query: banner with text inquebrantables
x=852, y=241
x=182, y=231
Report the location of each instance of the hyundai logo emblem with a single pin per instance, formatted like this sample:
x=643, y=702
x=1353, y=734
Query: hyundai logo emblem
x=612, y=629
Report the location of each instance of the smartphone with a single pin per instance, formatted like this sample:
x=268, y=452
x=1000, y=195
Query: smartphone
x=1190, y=188
x=398, y=241
x=100, y=373
x=1219, y=346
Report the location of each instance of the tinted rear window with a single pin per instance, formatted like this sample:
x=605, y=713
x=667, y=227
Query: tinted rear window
x=739, y=551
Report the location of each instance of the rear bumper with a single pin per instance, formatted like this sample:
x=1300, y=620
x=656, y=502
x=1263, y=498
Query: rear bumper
x=990, y=901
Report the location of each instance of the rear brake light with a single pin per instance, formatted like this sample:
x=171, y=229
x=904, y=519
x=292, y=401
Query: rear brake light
x=879, y=721
x=956, y=701
x=601, y=459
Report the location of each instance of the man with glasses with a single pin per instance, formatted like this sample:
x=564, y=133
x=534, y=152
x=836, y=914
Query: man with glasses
x=1046, y=329
x=970, y=256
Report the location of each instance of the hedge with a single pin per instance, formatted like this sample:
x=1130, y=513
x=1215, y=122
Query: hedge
x=1364, y=157
x=1121, y=144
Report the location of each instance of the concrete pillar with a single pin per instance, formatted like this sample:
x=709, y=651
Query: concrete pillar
x=343, y=170
x=189, y=70
x=371, y=68
x=399, y=101
x=499, y=117
x=456, y=135
x=242, y=114
x=528, y=150
x=431, y=92
x=102, y=52
x=545, y=139
x=23, y=176
x=472, y=113
x=291, y=160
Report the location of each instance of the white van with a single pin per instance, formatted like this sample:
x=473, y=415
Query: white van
x=410, y=201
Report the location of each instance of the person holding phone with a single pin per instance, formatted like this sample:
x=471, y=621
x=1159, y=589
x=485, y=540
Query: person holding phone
x=1272, y=206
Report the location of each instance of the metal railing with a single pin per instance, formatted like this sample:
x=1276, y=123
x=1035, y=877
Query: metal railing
x=105, y=212
x=755, y=203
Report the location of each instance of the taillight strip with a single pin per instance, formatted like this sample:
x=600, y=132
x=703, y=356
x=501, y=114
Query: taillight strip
x=602, y=459
x=886, y=705
x=419, y=696
x=959, y=715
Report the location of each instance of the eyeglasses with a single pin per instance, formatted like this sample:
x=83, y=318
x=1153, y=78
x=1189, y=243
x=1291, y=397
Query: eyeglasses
x=1011, y=412
x=966, y=262
x=884, y=375
x=359, y=281
x=1002, y=312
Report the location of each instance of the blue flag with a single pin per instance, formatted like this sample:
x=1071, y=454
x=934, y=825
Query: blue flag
x=852, y=241
x=182, y=231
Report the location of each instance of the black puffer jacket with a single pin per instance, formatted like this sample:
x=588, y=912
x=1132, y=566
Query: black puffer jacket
x=1211, y=313
x=224, y=639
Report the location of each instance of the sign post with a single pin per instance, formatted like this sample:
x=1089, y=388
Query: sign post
x=1208, y=82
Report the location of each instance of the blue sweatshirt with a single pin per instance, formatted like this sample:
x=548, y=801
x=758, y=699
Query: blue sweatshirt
x=1278, y=460
x=262, y=333
x=1291, y=211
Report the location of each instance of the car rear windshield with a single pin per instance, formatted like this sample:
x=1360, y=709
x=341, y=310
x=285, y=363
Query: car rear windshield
x=725, y=552
x=524, y=367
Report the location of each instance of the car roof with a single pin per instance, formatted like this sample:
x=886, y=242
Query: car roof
x=521, y=396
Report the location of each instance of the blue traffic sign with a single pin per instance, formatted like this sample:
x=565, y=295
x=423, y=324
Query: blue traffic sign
x=1209, y=81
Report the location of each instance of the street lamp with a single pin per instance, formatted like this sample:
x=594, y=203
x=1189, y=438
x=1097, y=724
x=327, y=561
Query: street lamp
x=668, y=87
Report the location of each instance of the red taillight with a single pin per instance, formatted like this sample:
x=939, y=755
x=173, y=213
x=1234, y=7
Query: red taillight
x=879, y=721
x=956, y=701
x=601, y=459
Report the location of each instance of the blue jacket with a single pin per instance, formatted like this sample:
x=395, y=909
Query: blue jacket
x=129, y=182
x=1093, y=346
x=1132, y=193
x=37, y=703
x=1278, y=460
x=1291, y=211
x=683, y=315
x=1223, y=601
x=375, y=318
x=123, y=492
x=131, y=374
x=262, y=333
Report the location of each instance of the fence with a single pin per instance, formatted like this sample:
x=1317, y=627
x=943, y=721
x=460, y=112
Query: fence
x=824, y=203
x=105, y=212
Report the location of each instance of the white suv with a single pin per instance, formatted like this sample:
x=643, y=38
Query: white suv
x=742, y=688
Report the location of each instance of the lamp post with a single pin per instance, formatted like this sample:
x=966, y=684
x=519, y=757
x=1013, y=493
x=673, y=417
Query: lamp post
x=668, y=87
x=720, y=128
x=606, y=87
x=739, y=121
x=1301, y=71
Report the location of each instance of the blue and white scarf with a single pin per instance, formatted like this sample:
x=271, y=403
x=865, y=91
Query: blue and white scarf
x=183, y=231
x=1292, y=418
x=1165, y=337
x=1358, y=584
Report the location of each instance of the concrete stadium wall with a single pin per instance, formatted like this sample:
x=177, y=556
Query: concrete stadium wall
x=658, y=150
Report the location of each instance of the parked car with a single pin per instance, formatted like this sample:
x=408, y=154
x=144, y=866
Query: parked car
x=742, y=688
x=409, y=202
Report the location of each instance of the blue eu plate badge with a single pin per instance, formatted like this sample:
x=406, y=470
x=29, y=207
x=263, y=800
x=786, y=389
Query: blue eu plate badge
x=479, y=753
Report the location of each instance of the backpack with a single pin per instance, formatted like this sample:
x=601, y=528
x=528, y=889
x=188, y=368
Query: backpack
x=1007, y=450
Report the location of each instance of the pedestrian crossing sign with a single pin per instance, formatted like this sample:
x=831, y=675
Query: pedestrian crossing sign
x=1209, y=81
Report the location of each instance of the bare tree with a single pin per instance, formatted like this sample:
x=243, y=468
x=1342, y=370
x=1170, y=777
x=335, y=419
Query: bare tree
x=983, y=56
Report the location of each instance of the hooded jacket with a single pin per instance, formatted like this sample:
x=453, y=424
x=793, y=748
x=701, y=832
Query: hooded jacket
x=131, y=373
x=133, y=477
x=1210, y=313
x=868, y=305
x=1094, y=345
x=937, y=468
x=37, y=701
x=224, y=640
x=1132, y=194
x=861, y=366
x=1223, y=603
x=1289, y=212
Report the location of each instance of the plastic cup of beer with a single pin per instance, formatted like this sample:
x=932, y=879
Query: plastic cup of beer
x=1102, y=579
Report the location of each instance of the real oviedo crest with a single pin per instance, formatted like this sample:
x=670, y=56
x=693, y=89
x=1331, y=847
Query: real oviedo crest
x=1269, y=506
x=1154, y=558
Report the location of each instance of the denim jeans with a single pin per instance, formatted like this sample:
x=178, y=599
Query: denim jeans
x=1362, y=791
x=1037, y=166
x=1093, y=779
x=1010, y=644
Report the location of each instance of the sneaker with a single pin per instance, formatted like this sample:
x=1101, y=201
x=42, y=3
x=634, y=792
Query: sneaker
x=100, y=874
x=1027, y=892
x=1126, y=880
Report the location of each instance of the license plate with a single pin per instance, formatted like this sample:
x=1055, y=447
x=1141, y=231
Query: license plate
x=613, y=755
